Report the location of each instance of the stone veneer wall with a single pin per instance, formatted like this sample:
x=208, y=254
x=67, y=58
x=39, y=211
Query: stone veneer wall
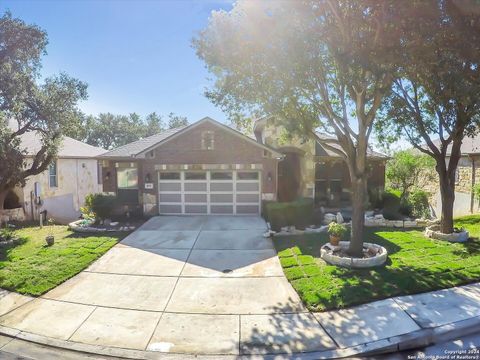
x=12, y=215
x=275, y=136
x=463, y=187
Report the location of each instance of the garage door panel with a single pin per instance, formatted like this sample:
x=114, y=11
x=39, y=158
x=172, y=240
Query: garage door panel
x=195, y=186
x=215, y=192
x=249, y=186
x=247, y=198
x=248, y=209
x=166, y=186
x=221, y=198
x=170, y=209
x=221, y=209
x=221, y=186
x=195, y=209
x=170, y=197
x=196, y=198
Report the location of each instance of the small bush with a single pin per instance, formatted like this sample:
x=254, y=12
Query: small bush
x=101, y=205
x=298, y=213
x=392, y=205
x=418, y=201
x=337, y=229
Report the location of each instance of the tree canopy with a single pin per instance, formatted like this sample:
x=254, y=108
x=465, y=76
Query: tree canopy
x=108, y=130
x=311, y=64
x=46, y=109
x=406, y=170
x=435, y=100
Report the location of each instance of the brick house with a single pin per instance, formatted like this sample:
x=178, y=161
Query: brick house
x=210, y=168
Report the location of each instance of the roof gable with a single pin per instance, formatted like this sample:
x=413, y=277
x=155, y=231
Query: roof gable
x=139, y=148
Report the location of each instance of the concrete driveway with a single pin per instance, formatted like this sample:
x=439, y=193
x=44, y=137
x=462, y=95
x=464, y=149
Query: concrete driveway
x=202, y=285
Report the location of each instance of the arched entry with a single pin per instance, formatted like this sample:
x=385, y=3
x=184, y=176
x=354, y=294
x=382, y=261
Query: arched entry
x=289, y=175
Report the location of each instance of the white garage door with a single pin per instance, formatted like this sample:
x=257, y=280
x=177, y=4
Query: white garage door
x=209, y=192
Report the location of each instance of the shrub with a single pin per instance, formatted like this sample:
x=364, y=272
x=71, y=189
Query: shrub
x=298, y=213
x=418, y=201
x=392, y=205
x=337, y=229
x=101, y=205
x=476, y=191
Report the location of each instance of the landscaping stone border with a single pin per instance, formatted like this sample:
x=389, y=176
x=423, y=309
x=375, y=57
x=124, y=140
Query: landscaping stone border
x=327, y=254
x=434, y=232
x=76, y=227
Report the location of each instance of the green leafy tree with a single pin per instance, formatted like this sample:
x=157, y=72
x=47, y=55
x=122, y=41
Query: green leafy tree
x=311, y=64
x=47, y=109
x=406, y=170
x=153, y=124
x=435, y=101
x=175, y=121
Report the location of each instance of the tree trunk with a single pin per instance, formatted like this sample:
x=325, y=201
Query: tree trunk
x=447, y=192
x=359, y=186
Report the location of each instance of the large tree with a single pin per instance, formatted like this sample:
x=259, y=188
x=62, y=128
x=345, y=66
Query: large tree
x=45, y=109
x=312, y=64
x=435, y=101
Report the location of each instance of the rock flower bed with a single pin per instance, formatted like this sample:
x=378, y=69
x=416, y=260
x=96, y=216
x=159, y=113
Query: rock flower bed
x=373, y=255
x=459, y=235
x=88, y=226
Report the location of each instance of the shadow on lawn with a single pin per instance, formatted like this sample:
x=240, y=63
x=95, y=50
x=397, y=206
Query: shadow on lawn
x=310, y=244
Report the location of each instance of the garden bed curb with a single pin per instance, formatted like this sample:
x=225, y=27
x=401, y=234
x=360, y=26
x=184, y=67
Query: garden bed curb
x=76, y=227
x=326, y=253
x=434, y=233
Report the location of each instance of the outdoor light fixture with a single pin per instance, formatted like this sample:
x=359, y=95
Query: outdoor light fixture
x=107, y=175
x=269, y=176
x=147, y=178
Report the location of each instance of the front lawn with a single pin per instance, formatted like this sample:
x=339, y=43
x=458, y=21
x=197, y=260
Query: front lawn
x=416, y=264
x=33, y=268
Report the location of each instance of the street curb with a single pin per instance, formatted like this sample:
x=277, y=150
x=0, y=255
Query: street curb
x=419, y=338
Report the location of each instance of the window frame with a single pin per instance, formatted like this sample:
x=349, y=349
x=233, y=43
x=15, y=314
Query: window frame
x=53, y=165
x=126, y=169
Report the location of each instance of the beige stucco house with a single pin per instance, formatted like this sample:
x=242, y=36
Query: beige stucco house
x=62, y=188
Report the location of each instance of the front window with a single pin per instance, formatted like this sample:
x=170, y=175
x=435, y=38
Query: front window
x=127, y=178
x=52, y=175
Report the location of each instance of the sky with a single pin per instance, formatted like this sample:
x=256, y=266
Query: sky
x=135, y=56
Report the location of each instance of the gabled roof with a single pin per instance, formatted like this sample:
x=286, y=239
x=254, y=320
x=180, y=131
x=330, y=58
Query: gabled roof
x=69, y=148
x=138, y=148
x=470, y=145
x=370, y=153
x=134, y=148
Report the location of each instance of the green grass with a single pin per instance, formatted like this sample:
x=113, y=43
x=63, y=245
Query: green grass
x=415, y=264
x=33, y=268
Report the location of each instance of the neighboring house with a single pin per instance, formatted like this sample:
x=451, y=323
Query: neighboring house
x=466, y=177
x=63, y=186
x=210, y=168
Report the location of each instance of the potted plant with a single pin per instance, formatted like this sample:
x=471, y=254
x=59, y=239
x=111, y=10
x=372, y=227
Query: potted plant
x=50, y=238
x=336, y=231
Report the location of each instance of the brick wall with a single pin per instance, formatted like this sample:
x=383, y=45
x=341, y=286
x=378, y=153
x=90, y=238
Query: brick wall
x=186, y=148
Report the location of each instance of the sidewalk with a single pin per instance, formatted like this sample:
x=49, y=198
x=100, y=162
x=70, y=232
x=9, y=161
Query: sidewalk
x=383, y=326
